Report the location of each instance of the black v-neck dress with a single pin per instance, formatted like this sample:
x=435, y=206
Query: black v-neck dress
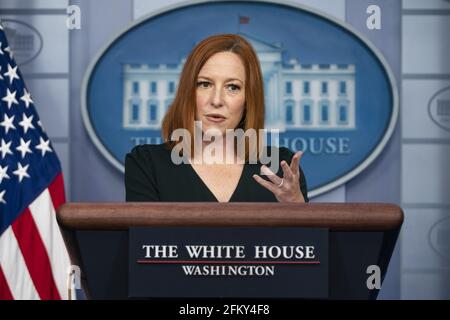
x=150, y=175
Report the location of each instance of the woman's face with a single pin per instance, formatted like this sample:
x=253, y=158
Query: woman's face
x=221, y=92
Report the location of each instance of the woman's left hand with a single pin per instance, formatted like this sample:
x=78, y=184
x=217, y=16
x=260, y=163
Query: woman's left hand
x=286, y=189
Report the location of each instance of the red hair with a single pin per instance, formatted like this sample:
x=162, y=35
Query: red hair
x=181, y=113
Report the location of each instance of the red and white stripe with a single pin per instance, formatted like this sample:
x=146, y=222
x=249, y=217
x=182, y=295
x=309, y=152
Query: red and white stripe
x=34, y=261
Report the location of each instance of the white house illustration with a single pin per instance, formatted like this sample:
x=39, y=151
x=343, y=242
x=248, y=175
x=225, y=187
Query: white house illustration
x=297, y=96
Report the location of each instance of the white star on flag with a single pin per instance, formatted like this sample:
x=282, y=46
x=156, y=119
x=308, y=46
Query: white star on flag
x=7, y=123
x=1, y=197
x=5, y=148
x=24, y=147
x=11, y=74
x=8, y=49
x=26, y=123
x=40, y=125
x=21, y=172
x=44, y=146
x=1, y=51
x=10, y=98
x=1, y=78
x=3, y=173
x=26, y=98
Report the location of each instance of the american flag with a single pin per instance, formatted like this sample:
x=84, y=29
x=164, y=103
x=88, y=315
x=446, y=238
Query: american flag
x=34, y=262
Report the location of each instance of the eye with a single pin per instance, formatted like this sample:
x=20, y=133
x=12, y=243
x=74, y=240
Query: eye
x=234, y=87
x=203, y=84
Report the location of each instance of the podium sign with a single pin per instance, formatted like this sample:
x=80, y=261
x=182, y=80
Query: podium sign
x=239, y=262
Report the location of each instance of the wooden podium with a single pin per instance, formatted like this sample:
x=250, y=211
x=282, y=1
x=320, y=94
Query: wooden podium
x=360, y=235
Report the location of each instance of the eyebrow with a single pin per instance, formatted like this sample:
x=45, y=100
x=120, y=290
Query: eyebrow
x=226, y=80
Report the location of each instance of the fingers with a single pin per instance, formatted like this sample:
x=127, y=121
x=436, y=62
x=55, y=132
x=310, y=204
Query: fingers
x=266, y=184
x=290, y=172
x=296, y=162
x=287, y=172
x=270, y=174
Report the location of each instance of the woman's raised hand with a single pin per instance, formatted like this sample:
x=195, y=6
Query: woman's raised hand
x=286, y=189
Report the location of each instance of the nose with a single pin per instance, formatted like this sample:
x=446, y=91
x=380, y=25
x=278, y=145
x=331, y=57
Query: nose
x=217, y=99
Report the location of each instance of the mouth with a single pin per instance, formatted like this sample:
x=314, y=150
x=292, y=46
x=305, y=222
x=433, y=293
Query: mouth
x=215, y=117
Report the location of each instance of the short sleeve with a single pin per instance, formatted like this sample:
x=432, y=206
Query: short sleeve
x=286, y=154
x=140, y=184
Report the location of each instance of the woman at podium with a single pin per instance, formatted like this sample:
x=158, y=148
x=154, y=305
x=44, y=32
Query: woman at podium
x=214, y=136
